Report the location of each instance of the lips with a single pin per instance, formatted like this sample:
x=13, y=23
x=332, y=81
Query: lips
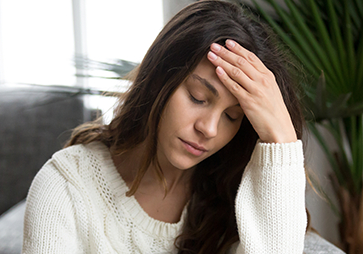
x=193, y=148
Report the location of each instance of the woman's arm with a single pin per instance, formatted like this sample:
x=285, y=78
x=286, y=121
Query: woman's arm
x=50, y=221
x=256, y=90
x=270, y=204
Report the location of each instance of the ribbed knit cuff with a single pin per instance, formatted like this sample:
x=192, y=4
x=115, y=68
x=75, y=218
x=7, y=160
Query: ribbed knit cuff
x=273, y=154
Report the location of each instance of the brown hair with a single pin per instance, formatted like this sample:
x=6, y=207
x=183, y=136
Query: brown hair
x=211, y=225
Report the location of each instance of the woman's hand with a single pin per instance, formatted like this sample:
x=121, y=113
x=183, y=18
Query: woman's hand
x=255, y=87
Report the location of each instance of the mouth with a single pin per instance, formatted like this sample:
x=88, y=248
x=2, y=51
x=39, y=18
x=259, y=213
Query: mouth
x=194, y=148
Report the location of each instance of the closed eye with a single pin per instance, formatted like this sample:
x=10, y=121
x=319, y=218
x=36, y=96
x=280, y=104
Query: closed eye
x=231, y=118
x=196, y=101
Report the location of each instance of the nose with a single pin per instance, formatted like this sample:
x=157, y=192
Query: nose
x=208, y=125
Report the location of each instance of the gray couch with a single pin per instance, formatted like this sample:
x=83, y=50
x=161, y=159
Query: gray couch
x=11, y=229
x=34, y=124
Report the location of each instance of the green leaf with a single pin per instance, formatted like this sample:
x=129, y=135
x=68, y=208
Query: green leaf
x=322, y=31
x=359, y=7
x=120, y=67
x=344, y=165
x=311, y=112
x=320, y=99
x=310, y=62
x=337, y=36
x=354, y=14
x=349, y=44
x=299, y=38
x=305, y=38
x=359, y=79
x=339, y=106
x=355, y=109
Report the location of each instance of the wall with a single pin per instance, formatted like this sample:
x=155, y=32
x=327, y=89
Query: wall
x=323, y=218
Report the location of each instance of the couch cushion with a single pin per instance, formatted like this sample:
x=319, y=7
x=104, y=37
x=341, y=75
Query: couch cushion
x=11, y=229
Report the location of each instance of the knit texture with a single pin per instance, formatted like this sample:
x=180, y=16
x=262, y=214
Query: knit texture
x=77, y=204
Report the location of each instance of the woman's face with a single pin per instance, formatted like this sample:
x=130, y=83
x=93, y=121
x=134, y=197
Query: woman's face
x=201, y=117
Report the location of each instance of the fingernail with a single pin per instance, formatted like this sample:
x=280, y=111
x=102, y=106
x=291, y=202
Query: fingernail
x=212, y=56
x=219, y=70
x=230, y=43
x=216, y=47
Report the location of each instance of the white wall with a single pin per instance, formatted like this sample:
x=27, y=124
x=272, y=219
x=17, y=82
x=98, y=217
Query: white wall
x=323, y=219
x=171, y=7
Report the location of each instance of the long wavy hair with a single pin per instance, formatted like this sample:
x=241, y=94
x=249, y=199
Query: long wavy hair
x=210, y=226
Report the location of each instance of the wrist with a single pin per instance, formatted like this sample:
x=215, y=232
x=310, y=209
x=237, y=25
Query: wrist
x=281, y=137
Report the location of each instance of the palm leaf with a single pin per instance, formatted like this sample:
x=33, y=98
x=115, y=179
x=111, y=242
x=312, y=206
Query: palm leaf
x=349, y=43
x=336, y=36
x=309, y=64
x=324, y=35
x=119, y=67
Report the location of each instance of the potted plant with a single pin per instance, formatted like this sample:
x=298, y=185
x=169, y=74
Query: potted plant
x=326, y=37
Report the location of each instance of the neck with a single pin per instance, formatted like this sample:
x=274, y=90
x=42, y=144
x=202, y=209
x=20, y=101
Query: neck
x=175, y=178
x=128, y=164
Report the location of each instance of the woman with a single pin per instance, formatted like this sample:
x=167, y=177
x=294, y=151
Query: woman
x=203, y=154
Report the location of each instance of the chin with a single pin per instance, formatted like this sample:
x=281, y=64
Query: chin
x=174, y=158
x=185, y=163
x=184, y=166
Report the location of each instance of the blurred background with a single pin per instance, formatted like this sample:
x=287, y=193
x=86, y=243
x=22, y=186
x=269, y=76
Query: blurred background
x=57, y=58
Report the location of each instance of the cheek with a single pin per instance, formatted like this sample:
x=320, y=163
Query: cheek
x=228, y=133
x=174, y=115
x=179, y=113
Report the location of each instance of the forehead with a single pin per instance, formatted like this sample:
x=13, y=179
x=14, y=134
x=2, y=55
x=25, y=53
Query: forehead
x=206, y=69
x=204, y=75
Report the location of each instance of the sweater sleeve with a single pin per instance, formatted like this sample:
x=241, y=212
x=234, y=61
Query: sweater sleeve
x=50, y=224
x=270, y=203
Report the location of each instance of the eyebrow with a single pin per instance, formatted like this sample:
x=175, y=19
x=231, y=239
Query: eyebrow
x=206, y=84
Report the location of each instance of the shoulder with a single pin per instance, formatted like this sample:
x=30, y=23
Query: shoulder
x=76, y=152
x=78, y=162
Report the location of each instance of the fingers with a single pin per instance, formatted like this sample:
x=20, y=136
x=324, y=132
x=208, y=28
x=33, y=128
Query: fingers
x=239, y=63
x=235, y=88
x=230, y=74
x=246, y=54
x=256, y=89
x=233, y=62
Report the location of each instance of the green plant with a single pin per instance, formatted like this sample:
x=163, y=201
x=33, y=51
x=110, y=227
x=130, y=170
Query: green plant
x=326, y=37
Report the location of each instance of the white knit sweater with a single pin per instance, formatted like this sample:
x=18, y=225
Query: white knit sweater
x=77, y=204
